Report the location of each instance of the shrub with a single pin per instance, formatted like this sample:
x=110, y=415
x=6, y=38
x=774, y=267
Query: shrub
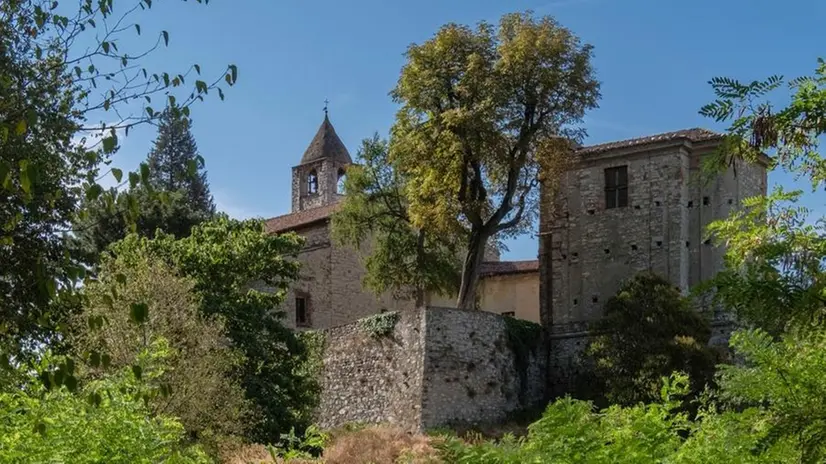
x=648, y=332
x=202, y=390
x=105, y=422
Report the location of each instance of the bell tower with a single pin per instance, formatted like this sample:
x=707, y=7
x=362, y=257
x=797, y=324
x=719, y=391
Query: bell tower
x=318, y=178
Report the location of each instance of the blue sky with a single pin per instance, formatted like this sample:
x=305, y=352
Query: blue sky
x=654, y=58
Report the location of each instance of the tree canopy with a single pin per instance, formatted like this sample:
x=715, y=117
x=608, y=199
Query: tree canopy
x=483, y=111
x=64, y=65
x=403, y=259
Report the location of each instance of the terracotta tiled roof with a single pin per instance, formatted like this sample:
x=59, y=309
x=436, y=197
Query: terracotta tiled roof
x=491, y=268
x=693, y=135
x=326, y=144
x=292, y=221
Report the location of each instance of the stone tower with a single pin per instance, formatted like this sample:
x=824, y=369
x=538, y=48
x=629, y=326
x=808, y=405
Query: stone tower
x=318, y=178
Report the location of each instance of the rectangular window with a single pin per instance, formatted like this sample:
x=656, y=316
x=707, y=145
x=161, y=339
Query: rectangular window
x=302, y=316
x=616, y=187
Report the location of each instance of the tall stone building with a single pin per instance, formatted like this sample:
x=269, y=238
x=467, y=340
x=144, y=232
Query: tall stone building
x=329, y=289
x=626, y=207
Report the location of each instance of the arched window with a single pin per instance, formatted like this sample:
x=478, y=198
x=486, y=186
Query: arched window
x=312, y=182
x=342, y=176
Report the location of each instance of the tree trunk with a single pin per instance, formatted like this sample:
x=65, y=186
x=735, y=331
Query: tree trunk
x=470, y=270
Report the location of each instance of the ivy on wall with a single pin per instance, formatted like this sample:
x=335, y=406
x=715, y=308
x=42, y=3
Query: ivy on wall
x=523, y=339
x=379, y=325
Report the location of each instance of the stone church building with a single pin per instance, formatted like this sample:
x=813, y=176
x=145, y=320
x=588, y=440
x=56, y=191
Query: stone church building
x=624, y=207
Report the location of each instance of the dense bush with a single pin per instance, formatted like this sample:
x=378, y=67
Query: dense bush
x=104, y=422
x=204, y=392
x=241, y=273
x=649, y=331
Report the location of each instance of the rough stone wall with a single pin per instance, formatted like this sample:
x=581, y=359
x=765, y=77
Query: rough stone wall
x=471, y=373
x=587, y=251
x=594, y=249
x=438, y=367
x=373, y=380
x=330, y=280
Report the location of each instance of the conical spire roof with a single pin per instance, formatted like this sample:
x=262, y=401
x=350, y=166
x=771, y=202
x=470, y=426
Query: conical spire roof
x=326, y=144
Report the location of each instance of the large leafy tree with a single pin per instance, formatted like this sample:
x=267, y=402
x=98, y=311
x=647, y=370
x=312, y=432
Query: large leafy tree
x=483, y=112
x=403, y=259
x=62, y=66
x=241, y=274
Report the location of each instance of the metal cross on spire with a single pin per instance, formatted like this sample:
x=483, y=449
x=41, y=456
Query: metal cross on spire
x=326, y=102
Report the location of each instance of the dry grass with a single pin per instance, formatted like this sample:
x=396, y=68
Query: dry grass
x=374, y=445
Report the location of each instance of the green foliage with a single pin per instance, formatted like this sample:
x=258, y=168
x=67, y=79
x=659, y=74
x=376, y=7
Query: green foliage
x=775, y=260
x=523, y=339
x=59, y=426
x=111, y=218
x=404, y=260
x=649, y=331
x=308, y=446
x=198, y=384
x=570, y=431
x=482, y=112
x=62, y=64
x=174, y=162
x=379, y=325
x=241, y=274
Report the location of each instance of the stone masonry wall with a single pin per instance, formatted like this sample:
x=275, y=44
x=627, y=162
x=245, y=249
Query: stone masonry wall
x=373, y=380
x=587, y=251
x=438, y=367
x=471, y=372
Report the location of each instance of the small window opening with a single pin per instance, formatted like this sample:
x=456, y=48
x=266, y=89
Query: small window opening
x=657, y=203
x=730, y=201
x=616, y=187
x=576, y=301
x=659, y=243
x=633, y=247
x=706, y=201
x=687, y=244
x=575, y=255
x=690, y=204
x=590, y=211
x=302, y=315
x=342, y=176
x=595, y=299
x=312, y=182
x=607, y=251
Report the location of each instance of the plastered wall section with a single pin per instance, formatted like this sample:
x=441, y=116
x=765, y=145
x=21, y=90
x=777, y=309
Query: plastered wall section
x=513, y=293
x=373, y=380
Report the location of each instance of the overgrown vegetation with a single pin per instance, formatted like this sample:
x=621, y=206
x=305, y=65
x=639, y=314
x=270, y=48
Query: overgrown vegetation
x=523, y=339
x=379, y=325
x=105, y=420
x=200, y=377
